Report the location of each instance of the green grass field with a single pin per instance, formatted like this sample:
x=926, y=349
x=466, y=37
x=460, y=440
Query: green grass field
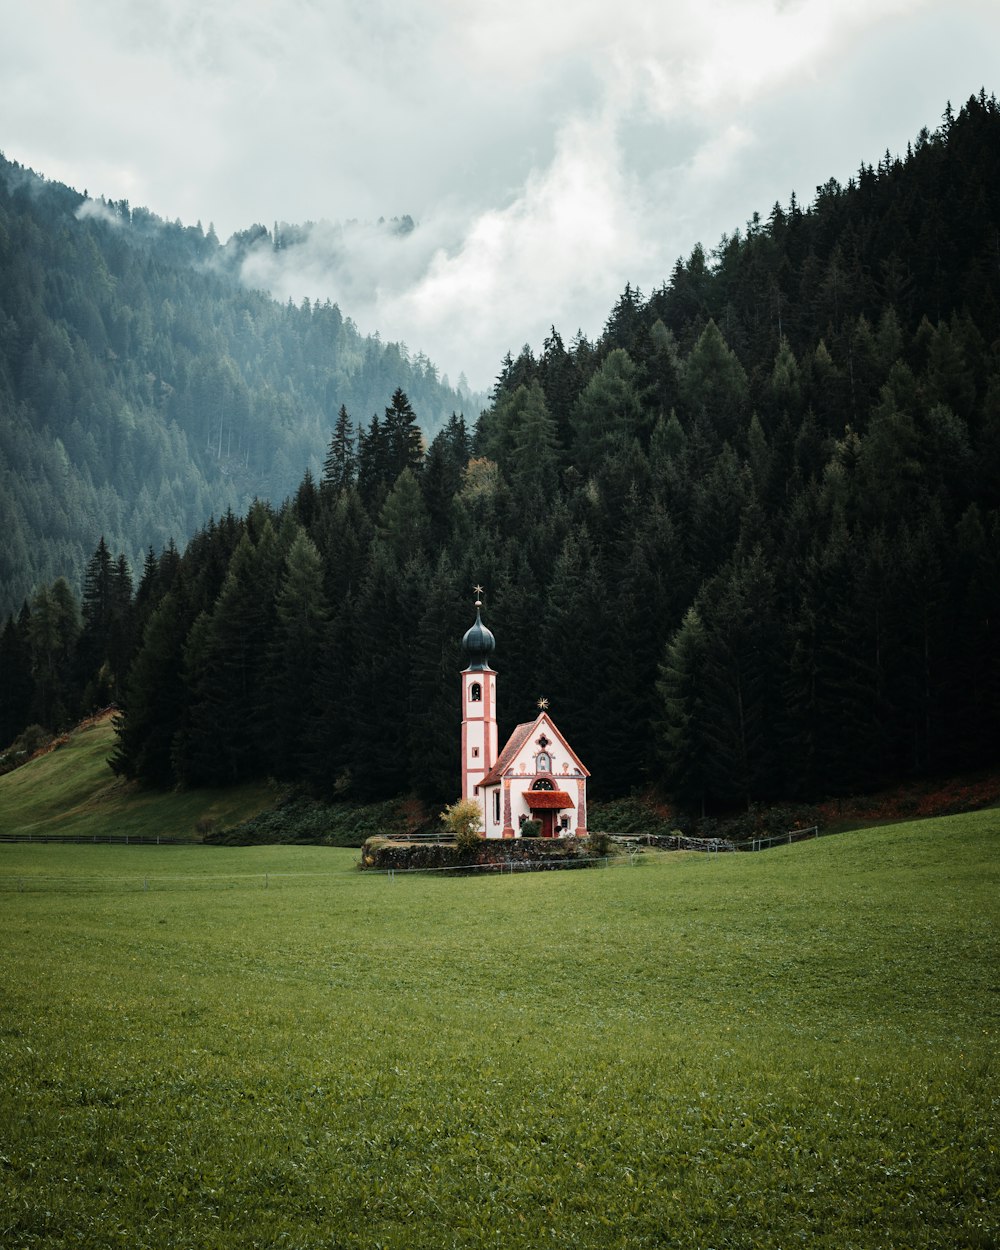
x=215, y=1047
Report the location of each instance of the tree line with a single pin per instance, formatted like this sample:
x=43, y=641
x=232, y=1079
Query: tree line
x=747, y=543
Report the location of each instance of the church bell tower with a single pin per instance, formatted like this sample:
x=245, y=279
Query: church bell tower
x=479, y=708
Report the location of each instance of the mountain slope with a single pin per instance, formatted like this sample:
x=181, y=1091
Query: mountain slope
x=143, y=389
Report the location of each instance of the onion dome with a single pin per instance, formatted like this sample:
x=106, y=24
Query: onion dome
x=478, y=643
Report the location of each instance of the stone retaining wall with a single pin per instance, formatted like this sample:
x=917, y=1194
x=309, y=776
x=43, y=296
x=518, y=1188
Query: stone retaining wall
x=382, y=854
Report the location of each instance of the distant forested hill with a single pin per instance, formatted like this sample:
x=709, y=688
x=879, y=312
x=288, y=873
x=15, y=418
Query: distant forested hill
x=142, y=389
x=747, y=543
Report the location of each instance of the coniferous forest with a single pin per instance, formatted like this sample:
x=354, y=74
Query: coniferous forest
x=747, y=542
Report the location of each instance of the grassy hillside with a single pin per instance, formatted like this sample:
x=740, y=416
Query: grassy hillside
x=220, y=1047
x=71, y=790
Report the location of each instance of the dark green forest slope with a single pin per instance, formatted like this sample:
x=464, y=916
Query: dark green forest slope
x=142, y=390
x=747, y=543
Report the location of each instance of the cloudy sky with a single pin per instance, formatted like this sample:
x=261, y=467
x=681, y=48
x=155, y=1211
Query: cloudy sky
x=549, y=150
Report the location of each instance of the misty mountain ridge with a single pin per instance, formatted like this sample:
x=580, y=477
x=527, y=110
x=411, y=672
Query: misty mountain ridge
x=293, y=260
x=147, y=381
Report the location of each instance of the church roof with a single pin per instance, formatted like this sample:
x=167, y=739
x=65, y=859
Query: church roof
x=517, y=740
x=508, y=754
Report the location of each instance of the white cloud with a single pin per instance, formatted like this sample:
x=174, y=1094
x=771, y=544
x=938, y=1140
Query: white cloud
x=459, y=288
x=97, y=210
x=550, y=153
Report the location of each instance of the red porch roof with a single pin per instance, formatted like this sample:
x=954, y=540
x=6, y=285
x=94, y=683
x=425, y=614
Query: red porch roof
x=548, y=798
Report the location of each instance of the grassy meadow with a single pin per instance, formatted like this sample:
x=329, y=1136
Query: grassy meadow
x=262, y=1047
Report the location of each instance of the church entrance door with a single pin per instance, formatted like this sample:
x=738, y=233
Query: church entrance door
x=548, y=822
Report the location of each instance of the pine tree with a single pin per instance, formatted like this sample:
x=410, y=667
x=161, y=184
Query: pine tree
x=378, y=692
x=403, y=440
x=434, y=708
x=341, y=464
x=440, y=482
x=739, y=671
x=373, y=465
x=608, y=410
x=300, y=633
x=156, y=694
x=16, y=686
x=229, y=734
x=682, y=745
x=53, y=630
x=97, y=609
x=713, y=383
x=459, y=443
x=532, y=465
x=403, y=523
x=306, y=504
x=569, y=662
x=343, y=536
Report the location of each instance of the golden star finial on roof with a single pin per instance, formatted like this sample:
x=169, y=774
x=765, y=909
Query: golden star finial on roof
x=478, y=590
x=543, y=704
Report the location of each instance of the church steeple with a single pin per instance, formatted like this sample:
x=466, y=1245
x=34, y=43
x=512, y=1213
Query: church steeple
x=478, y=642
x=479, y=717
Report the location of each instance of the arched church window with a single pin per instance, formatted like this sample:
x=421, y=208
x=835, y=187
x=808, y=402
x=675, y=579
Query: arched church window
x=476, y=693
x=543, y=783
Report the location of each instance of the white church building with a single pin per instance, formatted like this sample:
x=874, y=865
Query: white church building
x=537, y=775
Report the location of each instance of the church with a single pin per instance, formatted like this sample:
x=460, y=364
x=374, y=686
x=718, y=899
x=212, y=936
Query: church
x=536, y=776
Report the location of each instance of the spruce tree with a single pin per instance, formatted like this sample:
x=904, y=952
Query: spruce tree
x=156, y=694
x=681, y=741
x=341, y=463
x=16, y=686
x=53, y=631
x=97, y=610
x=388, y=606
x=403, y=440
x=532, y=465
x=302, y=620
x=434, y=708
x=740, y=666
x=608, y=410
x=229, y=734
